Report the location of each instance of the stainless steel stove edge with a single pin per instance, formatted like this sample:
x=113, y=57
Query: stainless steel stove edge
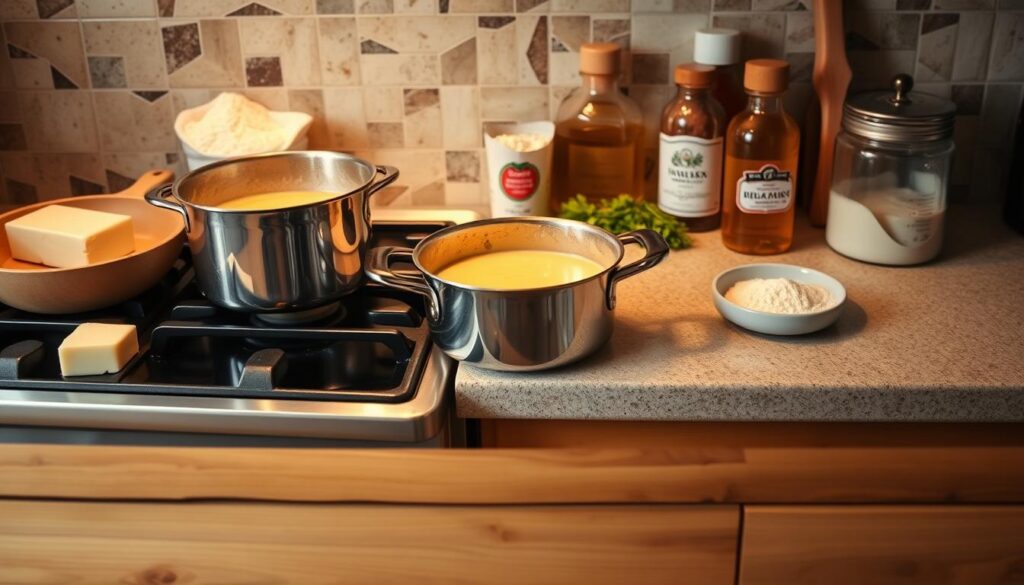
x=418, y=419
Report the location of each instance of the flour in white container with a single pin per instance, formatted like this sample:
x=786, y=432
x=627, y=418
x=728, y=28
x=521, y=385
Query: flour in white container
x=235, y=125
x=779, y=295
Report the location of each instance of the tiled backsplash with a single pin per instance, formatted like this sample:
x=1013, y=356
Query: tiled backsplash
x=89, y=88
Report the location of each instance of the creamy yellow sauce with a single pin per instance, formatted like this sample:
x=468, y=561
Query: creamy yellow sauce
x=276, y=200
x=520, y=269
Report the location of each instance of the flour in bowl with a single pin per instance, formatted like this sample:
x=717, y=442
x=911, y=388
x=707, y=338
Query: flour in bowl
x=779, y=295
x=235, y=125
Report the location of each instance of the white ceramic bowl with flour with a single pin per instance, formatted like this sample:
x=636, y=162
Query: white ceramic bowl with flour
x=777, y=323
x=232, y=125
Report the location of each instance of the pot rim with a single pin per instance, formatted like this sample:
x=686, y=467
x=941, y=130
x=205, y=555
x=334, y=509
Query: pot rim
x=608, y=236
x=281, y=154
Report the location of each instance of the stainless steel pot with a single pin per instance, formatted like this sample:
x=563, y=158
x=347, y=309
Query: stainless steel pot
x=517, y=330
x=286, y=259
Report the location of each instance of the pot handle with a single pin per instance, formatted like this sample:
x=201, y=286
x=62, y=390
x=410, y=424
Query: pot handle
x=655, y=248
x=389, y=175
x=378, y=269
x=159, y=197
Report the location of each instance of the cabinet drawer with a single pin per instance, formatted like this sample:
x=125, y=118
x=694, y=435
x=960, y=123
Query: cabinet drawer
x=880, y=545
x=101, y=543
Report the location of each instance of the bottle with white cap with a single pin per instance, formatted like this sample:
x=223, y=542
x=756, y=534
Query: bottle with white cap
x=720, y=48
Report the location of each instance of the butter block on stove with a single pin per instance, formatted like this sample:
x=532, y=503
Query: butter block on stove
x=68, y=237
x=97, y=348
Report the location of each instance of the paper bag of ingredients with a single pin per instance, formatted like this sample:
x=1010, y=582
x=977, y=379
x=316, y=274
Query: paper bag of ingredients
x=519, y=167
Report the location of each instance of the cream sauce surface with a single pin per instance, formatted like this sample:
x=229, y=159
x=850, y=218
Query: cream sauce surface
x=275, y=200
x=520, y=269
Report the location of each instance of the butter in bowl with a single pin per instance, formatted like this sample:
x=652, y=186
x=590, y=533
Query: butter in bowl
x=232, y=125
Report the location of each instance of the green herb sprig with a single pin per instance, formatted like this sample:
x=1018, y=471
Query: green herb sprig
x=624, y=214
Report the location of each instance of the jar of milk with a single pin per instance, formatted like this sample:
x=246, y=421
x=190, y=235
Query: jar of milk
x=889, y=178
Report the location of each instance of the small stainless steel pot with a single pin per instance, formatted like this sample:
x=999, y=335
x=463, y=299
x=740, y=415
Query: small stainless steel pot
x=517, y=330
x=286, y=259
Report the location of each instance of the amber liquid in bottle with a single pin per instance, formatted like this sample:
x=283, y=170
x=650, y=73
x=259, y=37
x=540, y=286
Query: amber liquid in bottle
x=762, y=137
x=599, y=148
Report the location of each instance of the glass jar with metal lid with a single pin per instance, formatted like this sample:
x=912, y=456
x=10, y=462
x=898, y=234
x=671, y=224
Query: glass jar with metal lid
x=889, y=178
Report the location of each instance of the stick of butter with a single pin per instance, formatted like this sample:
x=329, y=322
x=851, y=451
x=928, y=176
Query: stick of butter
x=67, y=237
x=97, y=348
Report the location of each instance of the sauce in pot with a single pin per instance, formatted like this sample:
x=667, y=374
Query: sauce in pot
x=276, y=200
x=520, y=269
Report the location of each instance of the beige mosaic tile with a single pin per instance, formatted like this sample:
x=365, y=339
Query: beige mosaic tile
x=421, y=169
x=419, y=34
x=936, y=46
x=6, y=73
x=339, y=51
x=393, y=69
x=18, y=9
x=383, y=104
x=64, y=175
x=514, y=104
x=460, y=115
x=569, y=32
x=56, y=9
x=459, y=64
x=58, y=45
x=190, y=8
x=423, y=118
x=496, y=52
x=137, y=42
x=668, y=33
x=346, y=121
x=386, y=134
x=415, y=6
x=115, y=8
x=556, y=95
x=1006, y=63
x=292, y=40
x=532, y=49
x=122, y=168
x=128, y=122
x=375, y=6
x=564, y=68
x=764, y=35
x=465, y=194
x=799, y=32
x=480, y=6
x=533, y=6
x=589, y=6
x=19, y=178
x=59, y=121
x=970, y=62
x=877, y=68
x=206, y=53
x=311, y=101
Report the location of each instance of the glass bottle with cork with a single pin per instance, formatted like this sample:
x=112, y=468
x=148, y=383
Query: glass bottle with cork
x=720, y=48
x=690, y=150
x=762, y=147
x=599, y=147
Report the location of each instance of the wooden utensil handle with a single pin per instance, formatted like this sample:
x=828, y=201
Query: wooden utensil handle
x=831, y=79
x=147, y=181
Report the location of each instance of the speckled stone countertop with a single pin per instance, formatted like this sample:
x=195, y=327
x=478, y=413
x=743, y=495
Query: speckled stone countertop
x=940, y=342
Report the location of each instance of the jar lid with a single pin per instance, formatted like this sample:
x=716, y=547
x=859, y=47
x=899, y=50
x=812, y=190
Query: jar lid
x=716, y=46
x=694, y=75
x=599, y=58
x=897, y=115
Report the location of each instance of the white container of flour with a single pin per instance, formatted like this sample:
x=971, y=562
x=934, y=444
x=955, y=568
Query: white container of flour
x=232, y=125
x=892, y=159
x=519, y=167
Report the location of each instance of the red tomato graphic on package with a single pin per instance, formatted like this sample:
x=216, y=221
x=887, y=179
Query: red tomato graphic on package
x=519, y=181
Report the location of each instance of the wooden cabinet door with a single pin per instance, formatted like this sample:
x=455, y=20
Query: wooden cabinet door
x=311, y=544
x=882, y=545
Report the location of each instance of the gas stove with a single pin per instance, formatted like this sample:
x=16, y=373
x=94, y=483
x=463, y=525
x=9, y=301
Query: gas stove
x=361, y=369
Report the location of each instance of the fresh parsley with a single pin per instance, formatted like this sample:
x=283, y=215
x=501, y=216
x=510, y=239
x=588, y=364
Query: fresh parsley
x=624, y=214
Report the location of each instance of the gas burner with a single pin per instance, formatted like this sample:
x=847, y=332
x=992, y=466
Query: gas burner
x=325, y=315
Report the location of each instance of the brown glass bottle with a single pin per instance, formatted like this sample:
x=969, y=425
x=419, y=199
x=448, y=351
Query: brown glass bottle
x=762, y=147
x=690, y=151
x=598, y=146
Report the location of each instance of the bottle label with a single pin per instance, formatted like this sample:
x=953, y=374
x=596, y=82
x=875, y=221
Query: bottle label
x=690, y=175
x=766, y=190
x=519, y=181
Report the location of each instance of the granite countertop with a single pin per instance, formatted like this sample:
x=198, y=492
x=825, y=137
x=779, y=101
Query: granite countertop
x=940, y=342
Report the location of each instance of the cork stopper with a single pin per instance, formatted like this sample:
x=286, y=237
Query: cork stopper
x=766, y=76
x=694, y=75
x=599, y=59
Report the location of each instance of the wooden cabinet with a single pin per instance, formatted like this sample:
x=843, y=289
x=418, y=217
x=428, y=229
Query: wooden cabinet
x=93, y=543
x=882, y=545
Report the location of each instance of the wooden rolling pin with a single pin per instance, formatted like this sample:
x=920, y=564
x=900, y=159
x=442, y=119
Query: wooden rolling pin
x=831, y=79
